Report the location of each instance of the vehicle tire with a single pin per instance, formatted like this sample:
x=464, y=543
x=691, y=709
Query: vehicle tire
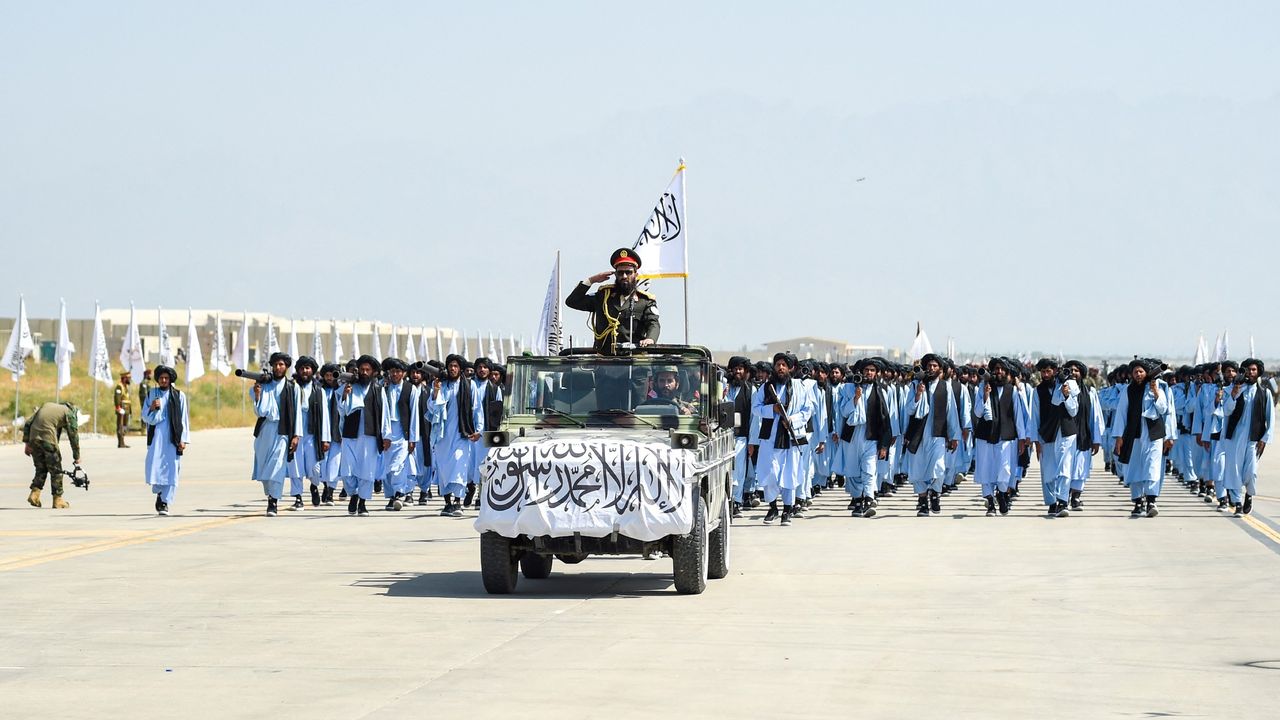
x=689, y=553
x=497, y=564
x=535, y=566
x=718, y=554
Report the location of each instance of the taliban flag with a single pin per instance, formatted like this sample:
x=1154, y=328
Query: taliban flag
x=20, y=344
x=921, y=345
x=221, y=362
x=100, y=361
x=662, y=246
x=548, y=338
x=62, y=355
x=131, y=349
x=166, y=346
x=240, y=355
x=195, y=356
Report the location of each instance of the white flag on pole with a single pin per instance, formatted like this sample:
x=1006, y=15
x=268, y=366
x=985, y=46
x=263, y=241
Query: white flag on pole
x=195, y=356
x=293, y=338
x=63, y=354
x=1253, y=353
x=410, y=352
x=393, y=347
x=493, y=350
x=511, y=346
x=317, y=343
x=547, y=340
x=131, y=349
x=1202, y=352
x=661, y=246
x=273, y=341
x=241, y=351
x=20, y=344
x=166, y=346
x=221, y=361
x=377, y=342
x=921, y=345
x=453, y=343
x=100, y=361
x=423, y=354
x=355, y=339
x=336, y=340
x=439, y=345
x=479, y=347
x=1224, y=350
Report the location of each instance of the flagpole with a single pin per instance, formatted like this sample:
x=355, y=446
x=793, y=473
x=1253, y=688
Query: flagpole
x=685, y=198
x=95, y=406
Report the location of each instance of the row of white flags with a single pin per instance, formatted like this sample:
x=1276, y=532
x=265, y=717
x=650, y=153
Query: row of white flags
x=132, y=358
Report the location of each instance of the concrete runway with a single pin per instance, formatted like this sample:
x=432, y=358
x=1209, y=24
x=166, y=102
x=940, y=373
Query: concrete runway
x=219, y=612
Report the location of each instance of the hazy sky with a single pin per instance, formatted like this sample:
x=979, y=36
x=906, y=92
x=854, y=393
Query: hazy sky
x=1091, y=177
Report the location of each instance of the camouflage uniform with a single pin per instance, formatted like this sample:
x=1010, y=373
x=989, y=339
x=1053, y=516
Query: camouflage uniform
x=144, y=389
x=125, y=403
x=42, y=434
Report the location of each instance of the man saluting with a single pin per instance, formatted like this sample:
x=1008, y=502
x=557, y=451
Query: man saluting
x=621, y=315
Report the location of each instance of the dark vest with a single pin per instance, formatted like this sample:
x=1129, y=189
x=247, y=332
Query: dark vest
x=937, y=413
x=879, y=428
x=742, y=406
x=173, y=407
x=1053, y=418
x=1134, y=422
x=1257, y=419
x=1002, y=426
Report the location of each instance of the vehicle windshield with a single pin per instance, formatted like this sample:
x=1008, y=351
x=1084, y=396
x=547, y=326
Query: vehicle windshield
x=602, y=390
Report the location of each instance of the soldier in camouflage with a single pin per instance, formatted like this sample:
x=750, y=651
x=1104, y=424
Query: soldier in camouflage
x=144, y=389
x=41, y=436
x=124, y=408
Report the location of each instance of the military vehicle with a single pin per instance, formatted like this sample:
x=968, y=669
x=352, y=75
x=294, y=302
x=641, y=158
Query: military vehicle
x=605, y=455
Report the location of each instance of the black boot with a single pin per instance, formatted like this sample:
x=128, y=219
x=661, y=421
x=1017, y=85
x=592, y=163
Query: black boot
x=272, y=507
x=787, y=510
x=1248, y=504
x=422, y=497
x=326, y=498
x=1076, y=504
x=991, y=506
x=735, y=509
x=1151, y=506
x=447, y=510
x=471, y=495
x=315, y=496
x=361, y=509
x=922, y=506
x=935, y=503
x=868, y=507
x=343, y=495
x=353, y=505
x=772, y=515
x=377, y=486
x=855, y=507
x=1138, y=509
x=297, y=503
x=1002, y=501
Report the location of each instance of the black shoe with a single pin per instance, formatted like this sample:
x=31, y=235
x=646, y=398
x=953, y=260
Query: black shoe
x=159, y=502
x=797, y=511
x=1151, y=508
x=353, y=505
x=447, y=510
x=991, y=506
x=297, y=503
x=470, y=496
x=315, y=496
x=1076, y=504
x=935, y=504
x=361, y=509
x=1062, y=510
x=735, y=509
x=456, y=511
x=1138, y=510
x=162, y=507
x=1002, y=502
x=1222, y=504
x=391, y=505
x=1238, y=510
x=787, y=512
x=343, y=494
x=271, y=507
x=1247, y=507
x=422, y=497
x=754, y=502
x=773, y=512
x=922, y=508
x=430, y=493
x=869, y=510
x=326, y=498
x=377, y=486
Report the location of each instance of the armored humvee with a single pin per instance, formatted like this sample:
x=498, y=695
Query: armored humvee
x=604, y=455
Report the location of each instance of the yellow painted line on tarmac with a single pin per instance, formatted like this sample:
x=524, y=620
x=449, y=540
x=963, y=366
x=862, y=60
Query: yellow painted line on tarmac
x=65, y=533
x=26, y=561
x=1262, y=528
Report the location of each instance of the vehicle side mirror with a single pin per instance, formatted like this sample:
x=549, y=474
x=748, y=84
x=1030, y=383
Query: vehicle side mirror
x=725, y=415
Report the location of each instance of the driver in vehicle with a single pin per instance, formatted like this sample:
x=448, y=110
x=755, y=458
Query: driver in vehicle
x=666, y=391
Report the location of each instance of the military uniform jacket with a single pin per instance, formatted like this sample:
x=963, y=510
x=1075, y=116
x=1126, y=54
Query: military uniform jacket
x=615, y=319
